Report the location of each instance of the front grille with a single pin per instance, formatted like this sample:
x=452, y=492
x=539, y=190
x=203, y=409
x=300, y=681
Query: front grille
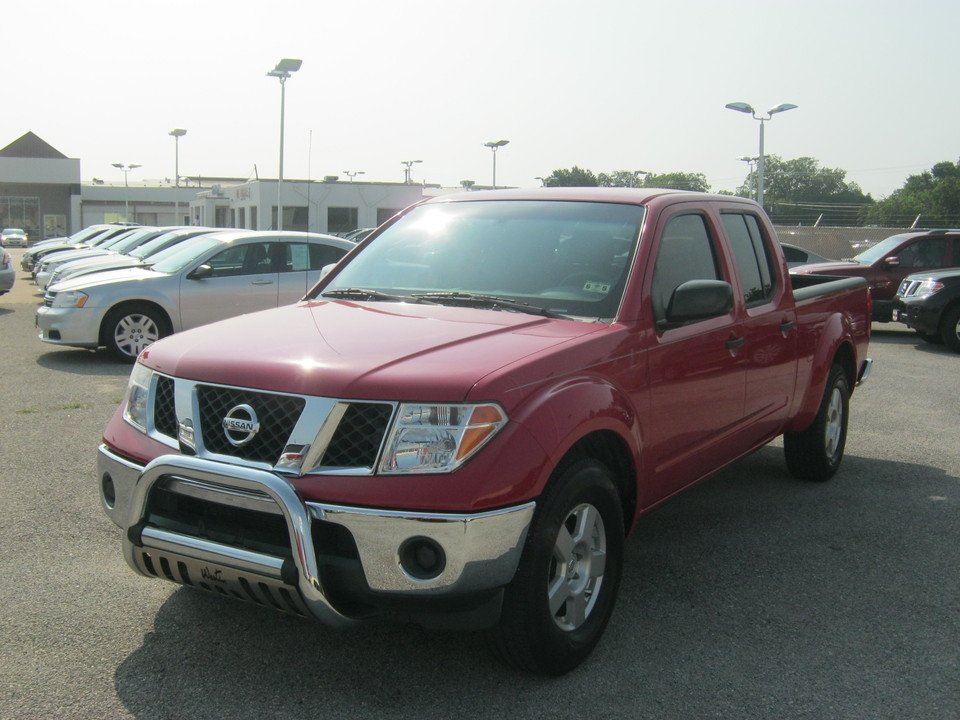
x=277, y=414
x=359, y=434
x=286, y=422
x=164, y=408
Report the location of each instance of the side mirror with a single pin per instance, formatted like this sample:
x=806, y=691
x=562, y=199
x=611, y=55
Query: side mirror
x=892, y=261
x=698, y=300
x=325, y=270
x=200, y=272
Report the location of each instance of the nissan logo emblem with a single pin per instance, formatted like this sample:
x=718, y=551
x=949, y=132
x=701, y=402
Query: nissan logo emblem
x=240, y=425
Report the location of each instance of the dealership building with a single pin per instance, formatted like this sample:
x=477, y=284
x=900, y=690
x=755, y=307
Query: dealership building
x=42, y=192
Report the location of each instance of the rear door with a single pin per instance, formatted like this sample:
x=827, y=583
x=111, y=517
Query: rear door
x=300, y=264
x=768, y=321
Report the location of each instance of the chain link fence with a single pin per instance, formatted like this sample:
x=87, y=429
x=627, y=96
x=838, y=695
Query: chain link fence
x=835, y=242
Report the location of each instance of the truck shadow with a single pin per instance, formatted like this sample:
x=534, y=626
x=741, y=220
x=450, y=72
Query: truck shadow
x=898, y=334
x=725, y=587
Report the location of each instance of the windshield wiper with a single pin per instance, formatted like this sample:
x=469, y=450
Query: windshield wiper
x=361, y=294
x=486, y=301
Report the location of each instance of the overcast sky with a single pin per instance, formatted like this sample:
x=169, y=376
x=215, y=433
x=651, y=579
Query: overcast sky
x=603, y=84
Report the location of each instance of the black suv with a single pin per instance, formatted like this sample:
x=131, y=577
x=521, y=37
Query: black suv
x=930, y=304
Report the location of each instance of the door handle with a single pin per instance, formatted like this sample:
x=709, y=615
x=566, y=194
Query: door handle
x=786, y=326
x=262, y=282
x=735, y=343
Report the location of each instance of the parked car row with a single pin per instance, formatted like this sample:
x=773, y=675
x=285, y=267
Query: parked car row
x=167, y=282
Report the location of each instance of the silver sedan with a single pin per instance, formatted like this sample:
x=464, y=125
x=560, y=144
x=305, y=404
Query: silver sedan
x=207, y=278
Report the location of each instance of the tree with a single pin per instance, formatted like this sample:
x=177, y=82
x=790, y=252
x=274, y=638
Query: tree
x=574, y=177
x=799, y=191
x=620, y=178
x=931, y=199
x=677, y=181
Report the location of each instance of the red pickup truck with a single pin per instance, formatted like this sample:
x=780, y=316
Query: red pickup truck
x=464, y=419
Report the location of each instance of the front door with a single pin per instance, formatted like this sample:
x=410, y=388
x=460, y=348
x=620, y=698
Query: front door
x=242, y=280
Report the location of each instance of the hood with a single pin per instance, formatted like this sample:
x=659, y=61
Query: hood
x=108, y=277
x=366, y=351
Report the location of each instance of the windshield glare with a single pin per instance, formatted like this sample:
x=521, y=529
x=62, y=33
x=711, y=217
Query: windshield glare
x=567, y=257
x=878, y=251
x=176, y=258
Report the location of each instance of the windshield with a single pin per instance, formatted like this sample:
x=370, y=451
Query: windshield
x=129, y=240
x=568, y=258
x=162, y=242
x=176, y=258
x=881, y=249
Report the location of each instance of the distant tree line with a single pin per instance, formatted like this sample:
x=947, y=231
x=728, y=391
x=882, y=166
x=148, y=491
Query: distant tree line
x=801, y=192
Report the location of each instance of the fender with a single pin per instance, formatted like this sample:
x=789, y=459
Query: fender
x=562, y=415
x=820, y=345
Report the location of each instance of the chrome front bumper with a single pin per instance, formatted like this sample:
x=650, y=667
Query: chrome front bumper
x=481, y=550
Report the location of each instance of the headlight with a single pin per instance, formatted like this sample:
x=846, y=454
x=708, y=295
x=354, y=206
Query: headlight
x=138, y=396
x=438, y=438
x=928, y=287
x=72, y=299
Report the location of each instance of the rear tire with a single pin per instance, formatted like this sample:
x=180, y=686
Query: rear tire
x=559, y=603
x=815, y=453
x=950, y=328
x=128, y=329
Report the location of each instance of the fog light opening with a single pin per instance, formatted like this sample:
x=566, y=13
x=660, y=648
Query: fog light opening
x=422, y=558
x=108, y=491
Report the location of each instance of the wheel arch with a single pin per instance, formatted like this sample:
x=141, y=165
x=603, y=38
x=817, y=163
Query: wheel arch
x=610, y=449
x=131, y=303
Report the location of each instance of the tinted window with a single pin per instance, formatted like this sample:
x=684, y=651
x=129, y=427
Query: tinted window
x=687, y=252
x=925, y=253
x=249, y=259
x=300, y=257
x=752, y=255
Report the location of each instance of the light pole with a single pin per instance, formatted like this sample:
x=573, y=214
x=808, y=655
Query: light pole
x=406, y=172
x=746, y=108
x=282, y=71
x=749, y=160
x=176, y=134
x=126, y=187
x=353, y=174
x=495, y=145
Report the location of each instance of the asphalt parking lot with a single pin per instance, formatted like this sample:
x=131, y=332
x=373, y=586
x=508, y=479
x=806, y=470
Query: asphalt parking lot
x=751, y=596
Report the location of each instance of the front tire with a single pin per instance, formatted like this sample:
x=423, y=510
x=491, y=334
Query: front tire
x=950, y=328
x=128, y=329
x=563, y=594
x=815, y=453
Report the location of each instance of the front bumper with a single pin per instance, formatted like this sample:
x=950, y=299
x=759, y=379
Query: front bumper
x=479, y=551
x=76, y=327
x=920, y=314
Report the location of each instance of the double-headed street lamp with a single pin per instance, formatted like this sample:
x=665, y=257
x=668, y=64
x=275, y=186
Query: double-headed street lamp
x=495, y=145
x=406, y=172
x=125, y=169
x=282, y=71
x=746, y=108
x=353, y=173
x=749, y=160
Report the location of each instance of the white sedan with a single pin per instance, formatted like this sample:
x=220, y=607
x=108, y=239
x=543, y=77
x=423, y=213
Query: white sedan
x=210, y=277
